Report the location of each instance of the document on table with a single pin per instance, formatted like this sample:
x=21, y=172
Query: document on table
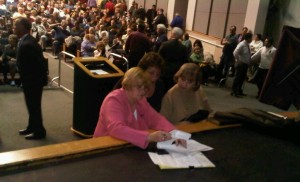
x=192, y=146
x=179, y=156
x=178, y=160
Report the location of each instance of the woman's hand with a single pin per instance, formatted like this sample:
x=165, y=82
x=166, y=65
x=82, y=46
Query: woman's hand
x=181, y=142
x=159, y=136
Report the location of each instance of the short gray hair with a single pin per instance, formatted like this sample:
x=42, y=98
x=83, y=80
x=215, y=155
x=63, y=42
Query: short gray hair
x=177, y=32
x=161, y=27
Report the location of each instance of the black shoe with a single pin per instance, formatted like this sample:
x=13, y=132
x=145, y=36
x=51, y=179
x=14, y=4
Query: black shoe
x=34, y=136
x=25, y=131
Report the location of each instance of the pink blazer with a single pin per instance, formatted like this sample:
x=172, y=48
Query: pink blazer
x=116, y=119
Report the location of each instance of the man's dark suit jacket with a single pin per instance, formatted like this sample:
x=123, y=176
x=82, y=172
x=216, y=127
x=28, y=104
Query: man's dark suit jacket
x=31, y=63
x=175, y=55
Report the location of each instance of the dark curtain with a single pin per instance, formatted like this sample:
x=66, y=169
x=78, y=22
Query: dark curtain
x=282, y=85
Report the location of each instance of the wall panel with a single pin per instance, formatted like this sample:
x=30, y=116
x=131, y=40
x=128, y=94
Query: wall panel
x=218, y=18
x=163, y=4
x=237, y=14
x=201, y=18
x=140, y=2
x=149, y=4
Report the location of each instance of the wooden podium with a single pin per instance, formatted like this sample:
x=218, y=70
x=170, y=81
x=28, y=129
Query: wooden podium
x=94, y=78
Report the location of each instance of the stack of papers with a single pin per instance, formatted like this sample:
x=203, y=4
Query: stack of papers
x=99, y=72
x=180, y=157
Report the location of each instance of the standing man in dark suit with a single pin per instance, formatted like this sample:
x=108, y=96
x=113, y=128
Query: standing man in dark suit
x=174, y=54
x=151, y=14
x=33, y=73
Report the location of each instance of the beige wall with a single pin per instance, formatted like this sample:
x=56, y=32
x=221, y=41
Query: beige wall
x=190, y=14
x=218, y=18
x=202, y=16
x=237, y=14
x=256, y=15
x=149, y=4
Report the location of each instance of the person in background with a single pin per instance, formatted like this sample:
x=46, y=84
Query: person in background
x=125, y=113
x=152, y=63
x=9, y=58
x=186, y=101
x=187, y=43
x=264, y=56
x=241, y=36
x=174, y=54
x=198, y=43
x=256, y=43
x=88, y=45
x=177, y=21
x=125, y=36
x=161, y=31
x=160, y=18
x=197, y=57
x=227, y=59
x=151, y=14
x=137, y=45
x=100, y=49
x=33, y=74
x=60, y=33
x=242, y=54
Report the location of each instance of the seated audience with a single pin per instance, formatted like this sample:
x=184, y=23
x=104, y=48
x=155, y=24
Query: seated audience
x=186, y=101
x=125, y=114
x=77, y=30
x=60, y=33
x=9, y=59
x=100, y=49
x=206, y=63
x=198, y=43
x=88, y=46
x=197, y=56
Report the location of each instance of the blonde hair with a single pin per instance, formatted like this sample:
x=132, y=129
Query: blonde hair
x=191, y=72
x=90, y=37
x=133, y=76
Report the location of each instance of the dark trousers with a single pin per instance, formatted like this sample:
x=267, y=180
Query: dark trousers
x=222, y=69
x=241, y=74
x=205, y=73
x=33, y=100
x=260, y=77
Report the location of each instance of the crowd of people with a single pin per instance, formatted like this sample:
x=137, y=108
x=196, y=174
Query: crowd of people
x=163, y=85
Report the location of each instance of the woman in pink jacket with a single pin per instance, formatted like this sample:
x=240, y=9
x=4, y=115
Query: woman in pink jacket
x=125, y=113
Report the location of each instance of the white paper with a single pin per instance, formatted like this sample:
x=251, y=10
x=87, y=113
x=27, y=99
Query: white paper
x=177, y=160
x=99, y=72
x=192, y=146
x=180, y=134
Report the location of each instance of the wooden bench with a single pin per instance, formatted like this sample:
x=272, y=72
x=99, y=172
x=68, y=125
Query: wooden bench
x=62, y=151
